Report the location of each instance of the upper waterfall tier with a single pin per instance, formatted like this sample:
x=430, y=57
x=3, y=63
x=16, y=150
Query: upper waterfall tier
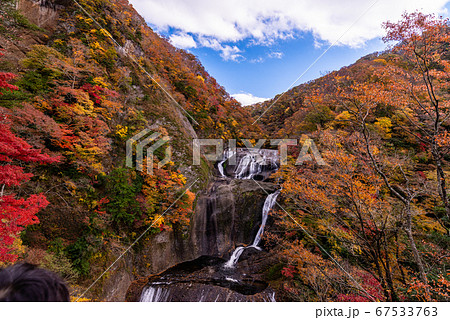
x=245, y=163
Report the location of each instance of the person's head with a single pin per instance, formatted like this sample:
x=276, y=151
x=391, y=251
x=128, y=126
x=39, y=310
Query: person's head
x=26, y=282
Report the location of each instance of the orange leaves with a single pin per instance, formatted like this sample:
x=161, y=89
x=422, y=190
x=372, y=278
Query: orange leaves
x=342, y=207
x=161, y=190
x=417, y=28
x=437, y=290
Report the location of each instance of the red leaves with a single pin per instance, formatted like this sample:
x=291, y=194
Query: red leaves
x=11, y=175
x=97, y=93
x=100, y=209
x=370, y=285
x=4, y=78
x=288, y=272
x=15, y=148
x=15, y=214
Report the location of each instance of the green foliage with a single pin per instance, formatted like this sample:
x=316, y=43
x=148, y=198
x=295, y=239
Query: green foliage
x=319, y=115
x=79, y=253
x=13, y=99
x=41, y=63
x=34, y=82
x=61, y=265
x=22, y=21
x=122, y=187
x=187, y=90
x=274, y=272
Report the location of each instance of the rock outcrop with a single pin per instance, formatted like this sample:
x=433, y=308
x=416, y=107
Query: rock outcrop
x=227, y=215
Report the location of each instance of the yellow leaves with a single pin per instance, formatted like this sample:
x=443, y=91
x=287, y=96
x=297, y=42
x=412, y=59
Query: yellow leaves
x=59, y=42
x=105, y=33
x=380, y=61
x=345, y=115
x=178, y=177
x=95, y=45
x=155, y=221
x=41, y=104
x=375, y=150
x=81, y=18
x=84, y=105
x=100, y=82
x=428, y=224
x=78, y=299
x=356, y=249
x=383, y=125
x=72, y=187
x=122, y=131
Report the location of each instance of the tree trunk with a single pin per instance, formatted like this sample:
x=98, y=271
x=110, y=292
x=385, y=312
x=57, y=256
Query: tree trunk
x=441, y=181
x=416, y=254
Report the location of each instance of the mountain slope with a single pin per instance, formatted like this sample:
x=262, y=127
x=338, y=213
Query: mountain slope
x=371, y=220
x=90, y=77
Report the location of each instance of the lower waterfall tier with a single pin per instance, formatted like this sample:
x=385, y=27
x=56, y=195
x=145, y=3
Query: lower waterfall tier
x=228, y=215
x=202, y=279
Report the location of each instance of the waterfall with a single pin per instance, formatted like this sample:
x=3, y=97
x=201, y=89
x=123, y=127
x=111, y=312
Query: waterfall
x=155, y=294
x=234, y=257
x=226, y=155
x=268, y=205
x=243, y=167
x=271, y=298
x=255, y=162
x=208, y=277
x=251, y=162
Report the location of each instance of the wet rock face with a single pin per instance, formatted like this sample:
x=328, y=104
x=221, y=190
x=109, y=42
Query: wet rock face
x=202, y=279
x=228, y=215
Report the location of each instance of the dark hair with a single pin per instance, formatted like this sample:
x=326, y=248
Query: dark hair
x=26, y=282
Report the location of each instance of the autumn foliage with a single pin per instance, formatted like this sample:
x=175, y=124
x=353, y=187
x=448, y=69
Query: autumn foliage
x=373, y=224
x=16, y=213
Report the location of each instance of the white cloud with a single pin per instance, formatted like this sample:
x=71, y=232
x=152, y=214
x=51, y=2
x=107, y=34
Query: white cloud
x=226, y=52
x=183, y=41
x=267, y=21
x=257, y=60
x=247, y=99
x=275, y=55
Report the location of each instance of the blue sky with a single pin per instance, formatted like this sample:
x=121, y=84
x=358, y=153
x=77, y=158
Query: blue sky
x=258, y=48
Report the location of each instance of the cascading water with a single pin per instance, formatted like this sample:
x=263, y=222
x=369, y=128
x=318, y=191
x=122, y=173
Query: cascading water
x=226, y=155
x=268, y=205
x=255, y=162
x=217, y=227
x=250, y=162
x=155, y=294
